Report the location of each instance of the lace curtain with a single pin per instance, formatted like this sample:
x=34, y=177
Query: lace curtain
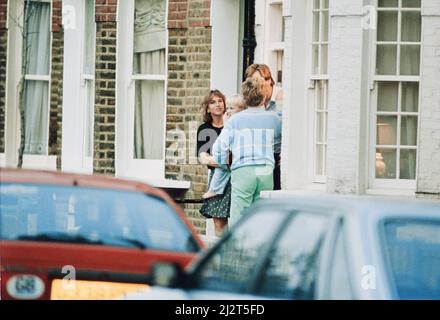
x=150, y=41
x=36, y=100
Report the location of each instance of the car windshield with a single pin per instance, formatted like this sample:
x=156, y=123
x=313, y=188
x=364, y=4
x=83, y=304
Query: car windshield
x=232, y=265
x=412, y=248
x=91, y=216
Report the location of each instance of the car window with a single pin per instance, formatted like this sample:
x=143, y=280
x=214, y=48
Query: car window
x=339, y=274
x=292, y=270
x=412, y=250
x=101, y=216
x=232, y=265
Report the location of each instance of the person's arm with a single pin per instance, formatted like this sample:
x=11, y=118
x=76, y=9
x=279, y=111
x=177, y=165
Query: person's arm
x=207, y=159
x=222, y=146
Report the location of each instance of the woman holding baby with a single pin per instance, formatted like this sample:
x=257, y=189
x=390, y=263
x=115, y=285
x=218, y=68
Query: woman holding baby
x=250, y=164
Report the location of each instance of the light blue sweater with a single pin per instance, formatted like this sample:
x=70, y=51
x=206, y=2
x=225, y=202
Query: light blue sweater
x=250, y=136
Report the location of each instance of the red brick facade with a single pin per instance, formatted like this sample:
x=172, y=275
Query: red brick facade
x=56, y=86
x=3, y=57
x=105, y=94
x=189, y=65
x=106, y=10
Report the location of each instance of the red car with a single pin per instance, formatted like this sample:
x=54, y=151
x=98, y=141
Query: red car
x=68, y=236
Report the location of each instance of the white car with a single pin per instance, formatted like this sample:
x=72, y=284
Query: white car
x=328, y=247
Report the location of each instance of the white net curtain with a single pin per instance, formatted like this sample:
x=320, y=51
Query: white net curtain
x=150, y=41
x=36, y=100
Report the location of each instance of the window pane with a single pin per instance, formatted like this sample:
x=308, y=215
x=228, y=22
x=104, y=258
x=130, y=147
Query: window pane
x=410, y=60
x=320, y=127
x=410, y=96
x=149, y=63
x=292, y=272
x=320, y=160
x=412, y=249
x=388, y=93
x=149, y=118
x=386, y=163
x=387, y=26
x=89, y=36
x=233, y=263
x=321, y=95
x=408, y=164
x=36, y=106
x=150, y=38
x=411, y=3
x=324, y=58
x=37, y=38
x=89, y=121
x=388, y=3
x=386, y=130
x=324, y=36
x=315, y=59
x=408, y=133
x=411, y=26
x=386, y=59
x=315, y=26
x=316, y=4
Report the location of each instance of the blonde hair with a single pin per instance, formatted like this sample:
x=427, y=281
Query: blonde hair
x=262, y=69
x=255, y=90
x=236, y=100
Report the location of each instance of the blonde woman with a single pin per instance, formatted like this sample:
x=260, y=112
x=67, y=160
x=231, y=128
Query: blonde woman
x=249, y=136
x=222, y=173
x=273, y=102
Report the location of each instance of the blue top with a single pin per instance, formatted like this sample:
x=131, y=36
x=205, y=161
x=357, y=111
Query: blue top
x=250, y=136
x=273, y=106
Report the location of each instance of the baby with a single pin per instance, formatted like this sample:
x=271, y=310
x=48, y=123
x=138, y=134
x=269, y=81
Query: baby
x=222, y=174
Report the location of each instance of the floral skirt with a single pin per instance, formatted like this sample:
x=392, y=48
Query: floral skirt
x=218, y=206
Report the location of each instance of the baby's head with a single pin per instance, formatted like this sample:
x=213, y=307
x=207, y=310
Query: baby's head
x=235, y=104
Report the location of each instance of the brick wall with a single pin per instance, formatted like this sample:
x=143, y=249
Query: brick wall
x=56, y=90
x=189, y=65
x=3, y=55
x=105, y=83
x=428, y=182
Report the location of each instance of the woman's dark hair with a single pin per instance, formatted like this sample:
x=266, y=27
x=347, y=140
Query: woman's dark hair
x=207, y=117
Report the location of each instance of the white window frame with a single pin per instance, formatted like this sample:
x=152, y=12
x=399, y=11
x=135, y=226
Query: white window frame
x=126, y=165
x=74, y=158
x=87, y=161
x=315, y=81
x=13, y=128
x=226, y=22
x=406, y=185
x=269, y=51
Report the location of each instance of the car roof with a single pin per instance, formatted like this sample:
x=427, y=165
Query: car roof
x=74, y=179
x=355, y=205
x=12, y=175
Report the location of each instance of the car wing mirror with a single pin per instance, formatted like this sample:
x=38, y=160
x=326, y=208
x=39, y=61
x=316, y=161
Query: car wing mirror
x=170, y=275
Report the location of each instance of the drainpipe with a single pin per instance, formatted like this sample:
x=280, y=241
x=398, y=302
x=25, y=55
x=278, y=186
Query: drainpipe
x=249, y=42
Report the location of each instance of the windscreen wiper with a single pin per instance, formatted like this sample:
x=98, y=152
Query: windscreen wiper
x=59, y=237
x=133, y=242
